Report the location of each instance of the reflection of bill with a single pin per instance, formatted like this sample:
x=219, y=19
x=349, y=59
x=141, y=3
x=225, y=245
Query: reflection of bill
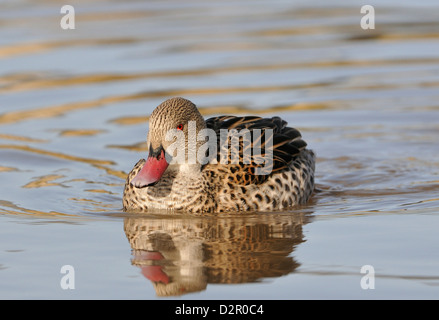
x=153, y=272
x=181, y=255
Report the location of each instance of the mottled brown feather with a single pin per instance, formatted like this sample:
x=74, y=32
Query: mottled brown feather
x=287, y=142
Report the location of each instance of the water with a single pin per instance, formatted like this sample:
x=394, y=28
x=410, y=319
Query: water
x=73, y=120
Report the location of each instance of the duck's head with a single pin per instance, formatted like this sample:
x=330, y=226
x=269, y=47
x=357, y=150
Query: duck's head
x=168, y=123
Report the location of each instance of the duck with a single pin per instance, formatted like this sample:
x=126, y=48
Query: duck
x=222, y=164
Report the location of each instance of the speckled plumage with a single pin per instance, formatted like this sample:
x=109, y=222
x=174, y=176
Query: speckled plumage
x=217, y=187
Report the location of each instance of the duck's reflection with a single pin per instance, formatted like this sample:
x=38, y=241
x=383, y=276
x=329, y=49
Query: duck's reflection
x=181, y=254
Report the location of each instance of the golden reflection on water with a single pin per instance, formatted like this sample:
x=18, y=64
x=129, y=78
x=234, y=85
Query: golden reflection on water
x=39, y=47
x=180, y=255
x=7, y=207
x=56, y=154
x=45, y=181
x=80, y=132
x=20, y=138
x=35, y=81
x=75, y=106
x=5, y=169
x=56, y=111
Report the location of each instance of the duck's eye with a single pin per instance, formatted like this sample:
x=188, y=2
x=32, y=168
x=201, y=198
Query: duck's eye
x=180, y=127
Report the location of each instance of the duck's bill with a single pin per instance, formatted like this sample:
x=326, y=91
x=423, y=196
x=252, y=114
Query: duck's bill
x=152, y=170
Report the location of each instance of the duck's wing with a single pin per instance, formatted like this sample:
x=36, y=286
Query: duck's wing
x=260, y=140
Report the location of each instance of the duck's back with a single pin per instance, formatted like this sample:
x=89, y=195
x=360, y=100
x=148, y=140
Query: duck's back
x=274, y=171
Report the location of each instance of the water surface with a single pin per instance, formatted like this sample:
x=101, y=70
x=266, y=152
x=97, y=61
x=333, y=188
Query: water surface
x=74, y=106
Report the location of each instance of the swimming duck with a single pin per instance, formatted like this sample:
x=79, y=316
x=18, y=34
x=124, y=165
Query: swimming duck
x=221, y=164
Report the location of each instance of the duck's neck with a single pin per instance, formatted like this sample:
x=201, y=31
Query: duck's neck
x=185, y=172
x=181, y=187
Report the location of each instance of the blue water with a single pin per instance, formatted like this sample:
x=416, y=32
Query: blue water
x=73, y=121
